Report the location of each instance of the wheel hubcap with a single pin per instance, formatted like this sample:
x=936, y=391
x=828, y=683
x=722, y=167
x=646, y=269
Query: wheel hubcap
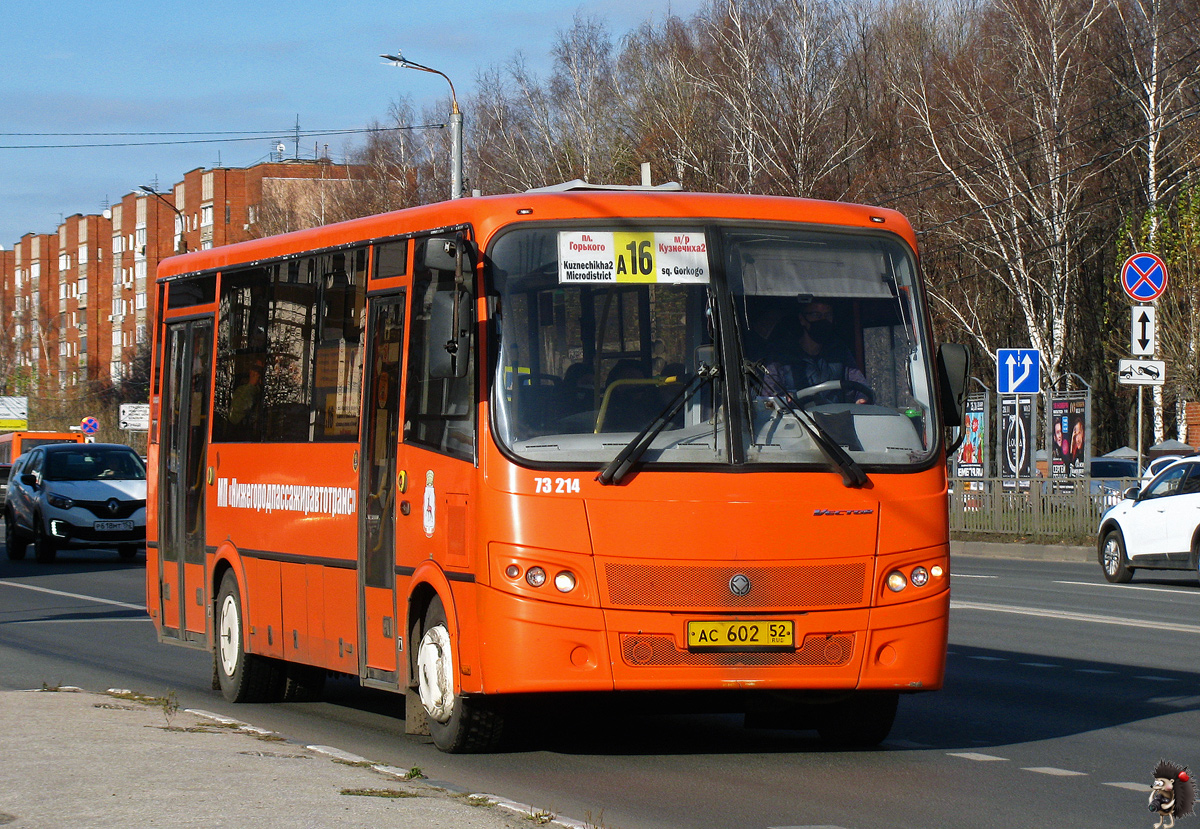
x=230, y=634
x=1111, y=557
x=435, y=671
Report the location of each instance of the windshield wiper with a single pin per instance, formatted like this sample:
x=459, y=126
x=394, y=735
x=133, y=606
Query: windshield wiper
x=619, y=467
x=852, y=474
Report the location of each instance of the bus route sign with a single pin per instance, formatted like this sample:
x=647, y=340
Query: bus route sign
x=1144, y=277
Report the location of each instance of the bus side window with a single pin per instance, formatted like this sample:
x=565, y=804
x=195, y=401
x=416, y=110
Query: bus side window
x=439, y=412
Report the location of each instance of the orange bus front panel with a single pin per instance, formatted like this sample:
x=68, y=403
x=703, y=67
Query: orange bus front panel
x=530, y=646
x=650, y=650
x=906, y=650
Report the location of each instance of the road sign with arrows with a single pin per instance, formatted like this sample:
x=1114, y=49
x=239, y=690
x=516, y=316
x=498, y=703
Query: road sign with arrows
x=1018, y=371
x=1141, y=331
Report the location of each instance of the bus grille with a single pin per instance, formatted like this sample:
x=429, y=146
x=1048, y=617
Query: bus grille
x=699, y=586
x=654, y=650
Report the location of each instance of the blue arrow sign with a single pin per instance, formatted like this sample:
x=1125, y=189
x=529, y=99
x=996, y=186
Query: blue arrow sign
x=1018, y=371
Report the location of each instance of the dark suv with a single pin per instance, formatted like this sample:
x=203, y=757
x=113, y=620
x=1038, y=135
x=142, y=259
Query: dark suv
x=85, y=495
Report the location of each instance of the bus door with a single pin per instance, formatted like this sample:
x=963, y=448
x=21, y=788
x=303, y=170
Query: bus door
x=378, y=625
x=188, y=377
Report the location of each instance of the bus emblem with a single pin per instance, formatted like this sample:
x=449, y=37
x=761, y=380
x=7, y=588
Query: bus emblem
x=739, y=585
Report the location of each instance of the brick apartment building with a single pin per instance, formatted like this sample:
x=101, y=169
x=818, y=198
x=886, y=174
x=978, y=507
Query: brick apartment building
x=77, y=303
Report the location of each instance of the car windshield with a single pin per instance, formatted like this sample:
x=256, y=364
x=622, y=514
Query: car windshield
x=94, y=465
x=600, y=329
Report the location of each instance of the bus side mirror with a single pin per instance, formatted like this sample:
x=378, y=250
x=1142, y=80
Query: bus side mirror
x=954, y=366
x=450, y=314
x=442, y=253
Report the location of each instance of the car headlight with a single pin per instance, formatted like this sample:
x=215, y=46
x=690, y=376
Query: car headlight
x=59, y=501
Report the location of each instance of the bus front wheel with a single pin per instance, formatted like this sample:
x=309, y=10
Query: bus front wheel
x=243, y=677
x=457, y=723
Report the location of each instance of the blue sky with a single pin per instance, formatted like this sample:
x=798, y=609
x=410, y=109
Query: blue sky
x=169, y=66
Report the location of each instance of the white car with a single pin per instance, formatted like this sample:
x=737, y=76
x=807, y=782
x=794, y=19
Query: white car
x=1158, y=465
x=1154, y=527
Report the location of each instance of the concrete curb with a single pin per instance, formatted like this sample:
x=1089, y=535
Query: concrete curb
x=1022, y=552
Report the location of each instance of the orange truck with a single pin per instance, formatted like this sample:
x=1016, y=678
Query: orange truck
x=561, y=442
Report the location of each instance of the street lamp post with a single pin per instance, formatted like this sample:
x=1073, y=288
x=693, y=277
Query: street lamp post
x=456, y=124
x=182, y=246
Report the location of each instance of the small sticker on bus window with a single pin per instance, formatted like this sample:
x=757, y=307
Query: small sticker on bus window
x=678, y=257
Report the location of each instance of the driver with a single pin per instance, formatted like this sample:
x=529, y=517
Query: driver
x=821, y=356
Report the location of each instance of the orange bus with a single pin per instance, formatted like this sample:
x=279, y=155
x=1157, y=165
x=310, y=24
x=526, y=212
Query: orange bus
x=15, y=444
x=559, y=442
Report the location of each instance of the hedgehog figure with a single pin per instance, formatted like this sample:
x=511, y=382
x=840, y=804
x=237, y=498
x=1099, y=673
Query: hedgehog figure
x=1172, y=795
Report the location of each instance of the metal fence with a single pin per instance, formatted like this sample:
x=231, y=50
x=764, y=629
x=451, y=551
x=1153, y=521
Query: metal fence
x=1055, y=507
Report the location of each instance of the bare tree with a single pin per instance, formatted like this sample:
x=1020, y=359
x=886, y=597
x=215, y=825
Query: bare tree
x=999, y=97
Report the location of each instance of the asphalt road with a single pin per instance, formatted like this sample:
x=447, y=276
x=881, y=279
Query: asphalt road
x=1062, y=692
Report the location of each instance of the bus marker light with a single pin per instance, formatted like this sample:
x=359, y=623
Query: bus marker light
x=936, y=571
x=920, y=577
x=565, y=581
x=512, y=571
x=536, y=576
x=896, y=581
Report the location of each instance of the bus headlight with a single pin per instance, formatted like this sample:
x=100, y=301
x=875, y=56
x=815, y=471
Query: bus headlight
x=565, y=581
x=896, y=581
x=919, y=577
x=536, y=576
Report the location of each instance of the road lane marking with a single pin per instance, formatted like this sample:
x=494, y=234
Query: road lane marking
x=973, y=755
x=1074, y=617
x=1055, y=772
x=1133, y=787
x=96, y=599
x=970, y=576
x=1141, y=588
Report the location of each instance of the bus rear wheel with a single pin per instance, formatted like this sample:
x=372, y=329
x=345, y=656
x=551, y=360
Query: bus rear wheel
x=457, y=723
x=861, y=720
x=243, y=677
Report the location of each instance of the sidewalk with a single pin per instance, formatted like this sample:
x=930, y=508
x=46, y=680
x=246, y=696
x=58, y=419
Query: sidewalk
x=72, y=758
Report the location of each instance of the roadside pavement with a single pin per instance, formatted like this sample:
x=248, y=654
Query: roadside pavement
x=103, y=761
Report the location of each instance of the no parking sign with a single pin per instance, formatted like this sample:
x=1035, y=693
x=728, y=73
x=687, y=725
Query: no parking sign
x=89, y=426
x=1144, y=277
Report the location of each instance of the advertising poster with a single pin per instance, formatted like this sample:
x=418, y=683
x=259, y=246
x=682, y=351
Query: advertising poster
x=1017, y=436
x=970, y=454
x=1068, y=438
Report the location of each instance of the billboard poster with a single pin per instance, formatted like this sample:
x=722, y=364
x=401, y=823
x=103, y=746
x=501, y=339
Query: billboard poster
x=1017, y=436
x=1068, y=438
x=970, y=454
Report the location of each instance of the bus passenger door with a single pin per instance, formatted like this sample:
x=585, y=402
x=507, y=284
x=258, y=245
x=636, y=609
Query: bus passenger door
x=378, y=626
x=181, y=475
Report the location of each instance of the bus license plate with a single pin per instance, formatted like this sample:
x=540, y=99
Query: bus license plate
x=757, y=635
x=113, y=526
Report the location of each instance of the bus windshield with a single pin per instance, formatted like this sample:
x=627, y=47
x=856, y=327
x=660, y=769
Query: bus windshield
x=600, y=331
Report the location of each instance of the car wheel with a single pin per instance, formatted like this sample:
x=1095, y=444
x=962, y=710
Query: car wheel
x=44, y=549
x=457, y=723
x=1113, y=560
x=243, y=677
x=14, y=542
x=862, y=720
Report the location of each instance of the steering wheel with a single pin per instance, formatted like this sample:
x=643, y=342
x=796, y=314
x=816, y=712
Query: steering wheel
x=835, y=385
